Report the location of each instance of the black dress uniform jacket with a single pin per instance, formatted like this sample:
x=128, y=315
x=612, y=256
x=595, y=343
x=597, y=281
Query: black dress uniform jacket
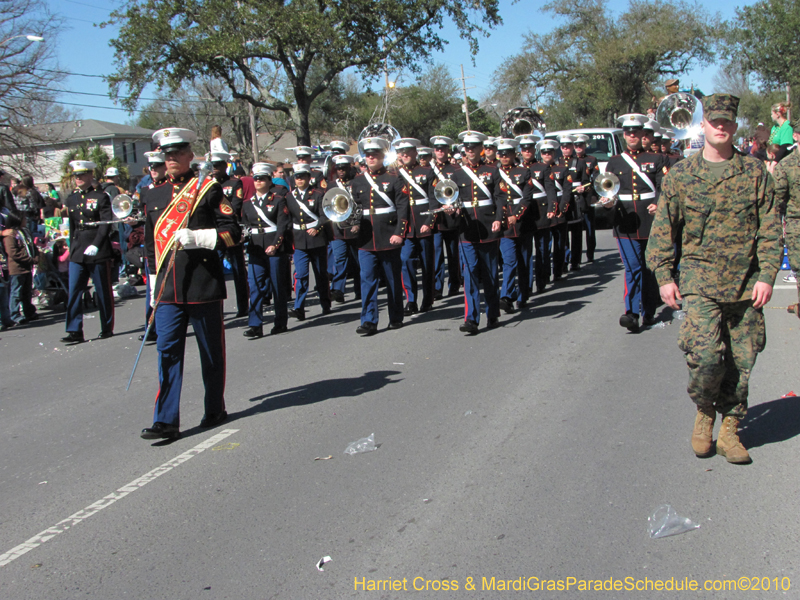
x=301, y=221
x=516, y=205
x=234, y=193
x=262, y=236
x=592, y=170
x=379, y=222
x=576, y=169
x=631, y=218
x=337, y=232
x=89, y=207
x=563, y=180
x=444, y=222
x=425, y=178
x=542, y=202
x=197, y=275
x=478, y=210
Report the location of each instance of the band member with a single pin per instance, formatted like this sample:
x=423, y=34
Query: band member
x=480, y=228
x=640, y=175
x=234, y=193
x=158, y=175
x=316, y=179
x=673, y=156
x=266, y=219
x=425, y=156
x=310, y=241
x=490, y=151
x=544, y=204
x=344, y=240
x=90, y=254
x=418, y=183
x=337, y=148
x=649, y=131
x=589, y=194
x=558, y=221
x=445, y=235
x=515, y=189
x=579, y=178
x=188, y=221
x=383, y=225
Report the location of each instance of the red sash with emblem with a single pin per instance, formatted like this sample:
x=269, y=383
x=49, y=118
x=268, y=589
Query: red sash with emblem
x=175, y=217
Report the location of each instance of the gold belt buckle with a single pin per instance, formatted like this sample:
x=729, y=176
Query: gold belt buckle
x=411, y=203
x=475, y=204
x=302, y=227
x=635, y=196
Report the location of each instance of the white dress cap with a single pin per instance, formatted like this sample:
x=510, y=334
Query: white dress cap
x=528, y=138
x=174, y=136
x=112, y=172
x=339, y=145
x=566, y=139
x=440, y=140
x=472, y=137
x=219, y=157
x=425, y=151
x=506, y=144
x=301, y=168
x=547, y=145
x=303, y=150
x=154, y=157
x=373, y=143
x=633, y=120
x=406, y=143
x=581, y=137
x=343, y=159
x=82, y=166
x=263, y=169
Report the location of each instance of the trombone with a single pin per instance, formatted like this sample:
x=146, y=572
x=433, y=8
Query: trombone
x=446, y=194
x=607, y=187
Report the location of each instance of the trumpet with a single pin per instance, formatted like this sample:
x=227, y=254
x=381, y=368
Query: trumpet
x=607, y=187
x=446, y=194
x=122, y=206
x=339, y=206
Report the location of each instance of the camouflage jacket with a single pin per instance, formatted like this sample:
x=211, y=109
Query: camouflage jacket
x=787, y=184
x=730, y=228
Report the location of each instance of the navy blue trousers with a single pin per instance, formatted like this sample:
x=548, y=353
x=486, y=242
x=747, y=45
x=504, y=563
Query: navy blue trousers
x=541, y=264
x=345, y=259
x=267, y=278
x=447, y=240
x=479, y=264
x=516, y=253
x=372, y=263
x=235, y=256
x=422, y=247
x=317, y=258
x=173, y=321
x=641, y=287
x=79, y=274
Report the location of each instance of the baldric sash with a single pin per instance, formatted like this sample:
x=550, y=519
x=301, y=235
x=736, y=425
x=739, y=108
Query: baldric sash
x=176, y=215
x=407, y=176
x=380, y=211
x=507, y=178
x=479, y=183
x=643, y=176
x=270, y=225
x=305, y=209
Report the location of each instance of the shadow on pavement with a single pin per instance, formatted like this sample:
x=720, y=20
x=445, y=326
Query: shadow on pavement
x=771, y=422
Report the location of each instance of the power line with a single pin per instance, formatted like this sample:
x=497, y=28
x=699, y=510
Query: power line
x=128, y=97
x=89, y=5
x=158, y=112
x=70, y=73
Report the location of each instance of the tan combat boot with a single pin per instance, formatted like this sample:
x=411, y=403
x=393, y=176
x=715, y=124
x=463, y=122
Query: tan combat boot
x=728, y=444
x=702, y=435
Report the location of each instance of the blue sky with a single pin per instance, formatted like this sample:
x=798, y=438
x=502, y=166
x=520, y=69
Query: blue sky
x=83, y=48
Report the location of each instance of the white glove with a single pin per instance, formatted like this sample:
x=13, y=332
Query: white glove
x=151, y=279
x=90, y=251
x=192, y=239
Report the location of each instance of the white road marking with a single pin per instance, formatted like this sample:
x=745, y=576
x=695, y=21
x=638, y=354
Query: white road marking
x=106, y=501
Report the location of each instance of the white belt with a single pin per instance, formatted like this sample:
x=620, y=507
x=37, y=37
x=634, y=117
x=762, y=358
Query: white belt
x=305, y=226
x=645, y=196
x=538, y=195
x=576, y=184
x=516, y=200
x=381, y=211
x=486, y=202
x=256, y=230
x=418, y=202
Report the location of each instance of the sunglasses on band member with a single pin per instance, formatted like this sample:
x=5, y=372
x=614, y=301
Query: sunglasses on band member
x=547, y=151
x=472, y=146
x=219, y=165
x=261, y=178
x=505, y=153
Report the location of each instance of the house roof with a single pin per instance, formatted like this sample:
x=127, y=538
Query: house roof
x=81, y=130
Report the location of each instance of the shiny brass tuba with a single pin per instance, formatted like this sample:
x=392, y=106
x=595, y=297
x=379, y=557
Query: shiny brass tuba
x=339, y=206
x=681, y=112
x=520, y=121
x=607, y=187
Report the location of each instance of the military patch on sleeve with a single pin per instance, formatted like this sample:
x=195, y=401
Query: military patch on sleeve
x=569, y=178
x=323, y=184
x=225, y=207
x=240, y=193
x=665, y=170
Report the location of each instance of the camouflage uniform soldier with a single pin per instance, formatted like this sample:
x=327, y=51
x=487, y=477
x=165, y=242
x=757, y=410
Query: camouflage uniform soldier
x=730, y=258
x=787, y=192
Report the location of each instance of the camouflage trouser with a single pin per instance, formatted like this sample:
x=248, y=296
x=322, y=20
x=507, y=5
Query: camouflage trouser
x=721, y=341
x=793, y=245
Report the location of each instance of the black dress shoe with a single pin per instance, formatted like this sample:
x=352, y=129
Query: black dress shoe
x=337, y=296
x=298, y=313
x=493, y=323
x=507, y=305
x=151, y=338
x=630, y=321
x=278, y=329
x=213, y=421
x=522, y=304
x=367, y=329
x=104, y=335
x=396, y=325
x=576, y=267
x=410, y=309
x=648, y=321
x=470, y=327
x=161, y=431
x=425, y=307
x=438, y=295
x=452, y=293
x=326, y=310
x=73, y=337
x=240, y=314
x=254, y=332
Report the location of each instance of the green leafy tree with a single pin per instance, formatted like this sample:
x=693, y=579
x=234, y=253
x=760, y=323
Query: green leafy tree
x=245, y=43
x=597, y=65
x=755, y=106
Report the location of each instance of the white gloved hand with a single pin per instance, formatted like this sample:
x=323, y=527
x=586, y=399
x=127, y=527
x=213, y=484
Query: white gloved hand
x=90, y=251
x=191, y=239
x=151, y=279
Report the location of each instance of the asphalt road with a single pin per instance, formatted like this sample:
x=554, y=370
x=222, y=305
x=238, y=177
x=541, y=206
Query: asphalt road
x=536, y=450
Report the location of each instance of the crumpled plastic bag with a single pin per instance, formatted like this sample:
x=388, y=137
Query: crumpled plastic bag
x=680, y=315
x=125, y=290
x=366, y=444
x=665, y=522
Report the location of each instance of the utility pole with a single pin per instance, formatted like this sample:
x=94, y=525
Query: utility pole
x=251, y=111
x=464, y=87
